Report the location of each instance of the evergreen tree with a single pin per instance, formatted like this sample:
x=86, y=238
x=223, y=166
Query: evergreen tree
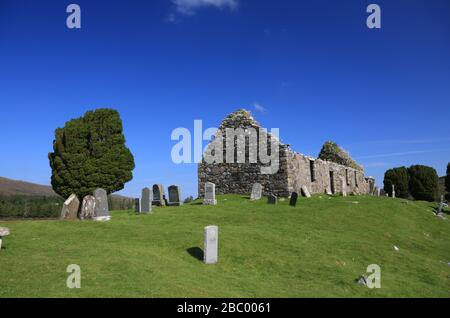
x=398, y=177
x=89, y=153
x=423, y=183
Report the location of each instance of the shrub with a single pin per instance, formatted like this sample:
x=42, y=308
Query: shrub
x=20, y=206
x=423, y=183
x=89, y=153
x=332, y=152
x=400, y=178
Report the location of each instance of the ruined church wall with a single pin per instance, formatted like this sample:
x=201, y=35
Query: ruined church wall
x=300, y=174
x=238, y=178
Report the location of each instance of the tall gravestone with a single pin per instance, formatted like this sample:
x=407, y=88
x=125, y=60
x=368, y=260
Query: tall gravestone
x=137, y=205
x=256, y=192
x=158, y=195
x=70, y=208
x=146, y=201
x=305, y=191
x=343, y=187
x=101, y=207
x=272, y=199
x=441, y=205
x=293, y=200
x=174, y=195
x=210, y=194
x=88, y=208
x=211, y=244
x=393, y=191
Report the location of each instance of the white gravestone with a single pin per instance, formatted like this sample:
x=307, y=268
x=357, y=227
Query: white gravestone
x=393, y=191
x=256, y=192
x=210, y=252
x=343, y=187
x=4, y=231
x=210, y=194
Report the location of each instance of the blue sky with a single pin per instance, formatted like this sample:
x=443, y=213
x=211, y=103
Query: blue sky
x=311, y=68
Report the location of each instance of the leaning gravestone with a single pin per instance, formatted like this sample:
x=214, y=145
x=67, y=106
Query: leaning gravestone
x=343, y=187
x=88, y=208
x=158, y=195
x=70, y=208
x=174, y=196
x=211, y=244
x=294, y=197
x=272, y=199
x=101, y=206
x=4, y=231
x=305, y=192
x=146, y=201
x=137, y=205
x=256, y=192
x=210, y=194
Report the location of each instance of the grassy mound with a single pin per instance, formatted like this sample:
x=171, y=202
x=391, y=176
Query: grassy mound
x=316, y=249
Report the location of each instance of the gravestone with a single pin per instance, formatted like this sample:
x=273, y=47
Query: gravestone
x=343, y=187
x=378, y=192
x=70, y=208
x=146, y=201
x=174, y=195
x=101, y=207
x=272, y=199
x=158, y=195
x=294, y=197
x=256, y=192
x=88, y=207
x=305, y=191
x=211, y=245
x=137, y=205
x=210, y=194
x=4, y=231
x=441, y=205
x=393, y=191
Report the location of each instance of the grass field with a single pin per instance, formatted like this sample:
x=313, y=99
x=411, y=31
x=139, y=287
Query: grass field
x=316, y=249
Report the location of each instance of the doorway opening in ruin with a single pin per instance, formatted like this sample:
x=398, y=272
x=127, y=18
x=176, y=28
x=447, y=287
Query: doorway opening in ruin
x=332, y=182
x=311, y=169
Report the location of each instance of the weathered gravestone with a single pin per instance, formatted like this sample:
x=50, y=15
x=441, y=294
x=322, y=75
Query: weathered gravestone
x=146, y=201
x=137, y=205
x=393, y=191
x=293, y=200
x=256, y=192
x=210, y=194
x=174, y=195
x=343, y=187
x=70, y=208
x=158, y=195
x=272, y=199
x=4, y=231
x=441, y=205
x=211, y=245
x=101, y=206
x=88, y=207
x=305, y=192
x=378, y=192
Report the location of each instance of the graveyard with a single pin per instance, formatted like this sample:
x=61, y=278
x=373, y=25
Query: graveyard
x=317, y=248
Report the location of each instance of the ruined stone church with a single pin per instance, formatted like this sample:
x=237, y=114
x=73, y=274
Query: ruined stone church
x=294, y=171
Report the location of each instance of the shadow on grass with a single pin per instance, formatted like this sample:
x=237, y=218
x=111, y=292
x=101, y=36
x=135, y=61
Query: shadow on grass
x=196, y=252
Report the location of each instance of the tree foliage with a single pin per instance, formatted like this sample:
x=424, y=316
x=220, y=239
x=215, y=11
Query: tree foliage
x=89, y=153
x=332, y=152
x=447, y=181
x=423, y=183
x=398, y=177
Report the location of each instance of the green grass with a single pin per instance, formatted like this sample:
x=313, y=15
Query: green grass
x=316, y=249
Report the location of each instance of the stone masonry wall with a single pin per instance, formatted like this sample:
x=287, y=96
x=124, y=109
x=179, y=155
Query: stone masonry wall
x=294, y=170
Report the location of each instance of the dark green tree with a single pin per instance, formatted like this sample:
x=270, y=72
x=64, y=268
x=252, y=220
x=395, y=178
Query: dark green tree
x=423, y=183
x=398, y=177
x=89, y=153
x=332, y=152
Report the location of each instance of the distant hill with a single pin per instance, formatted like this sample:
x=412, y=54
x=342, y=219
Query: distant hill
x=16, y=187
